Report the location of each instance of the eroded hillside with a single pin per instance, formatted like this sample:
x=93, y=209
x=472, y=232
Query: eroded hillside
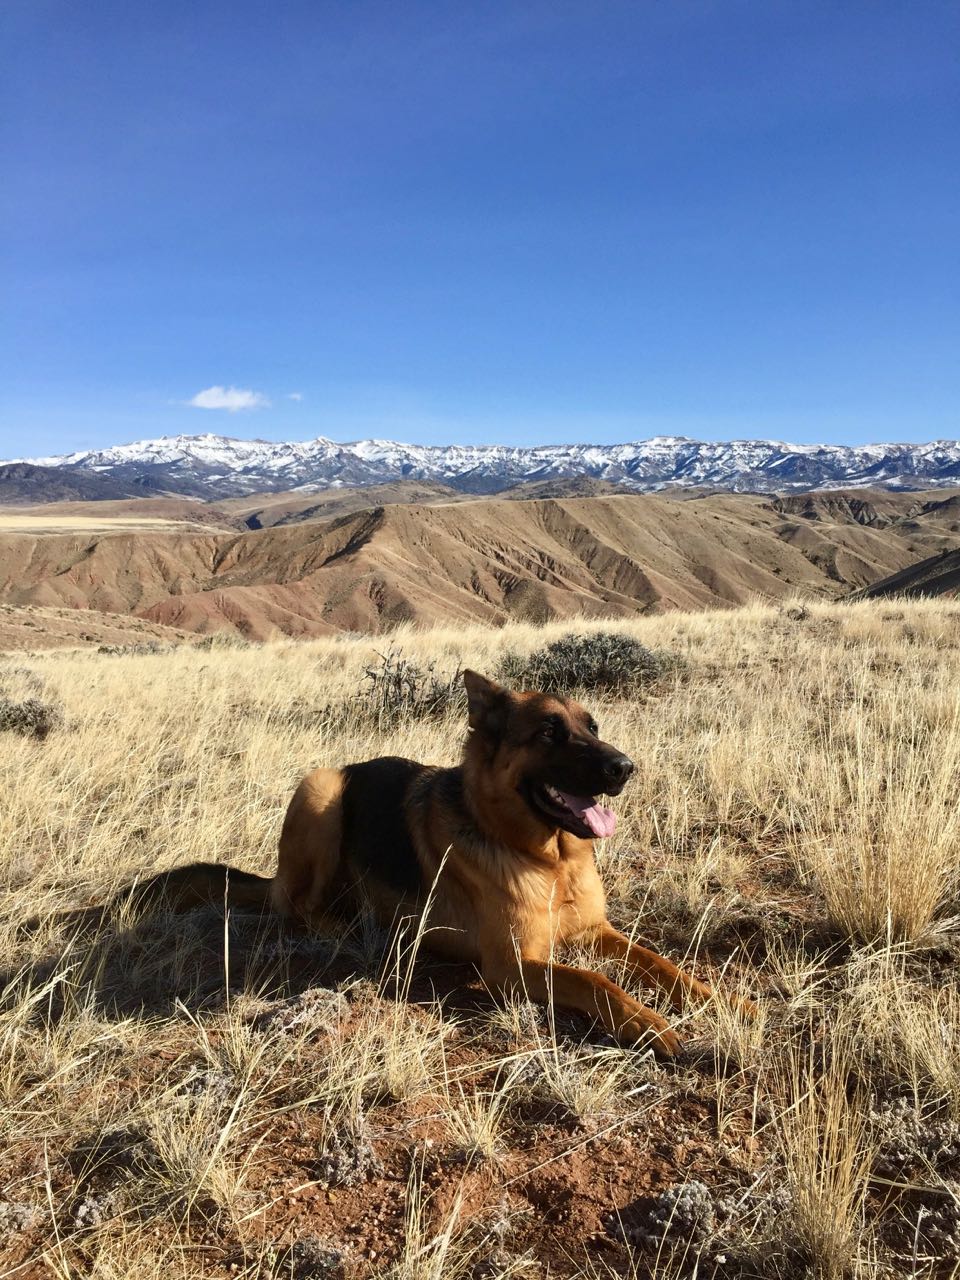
x=486, y=560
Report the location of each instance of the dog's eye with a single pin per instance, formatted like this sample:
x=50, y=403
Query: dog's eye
x=554, y=730
x=594, y=728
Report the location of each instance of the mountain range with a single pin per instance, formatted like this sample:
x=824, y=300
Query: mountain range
x=213, y=467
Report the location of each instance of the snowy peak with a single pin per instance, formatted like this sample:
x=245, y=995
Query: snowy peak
x=214, y=466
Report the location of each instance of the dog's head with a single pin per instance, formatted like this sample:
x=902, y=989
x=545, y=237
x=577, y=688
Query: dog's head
x=547, y=751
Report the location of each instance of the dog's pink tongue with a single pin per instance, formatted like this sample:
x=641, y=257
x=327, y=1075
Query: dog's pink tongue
x=602, y=822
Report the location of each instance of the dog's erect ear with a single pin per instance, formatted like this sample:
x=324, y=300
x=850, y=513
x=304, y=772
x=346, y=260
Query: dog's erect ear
x=487, y=704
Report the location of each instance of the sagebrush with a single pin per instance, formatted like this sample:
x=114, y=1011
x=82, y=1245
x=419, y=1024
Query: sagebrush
x=601, y=661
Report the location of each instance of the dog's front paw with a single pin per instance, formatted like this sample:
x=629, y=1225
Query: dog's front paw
x=647, y=1029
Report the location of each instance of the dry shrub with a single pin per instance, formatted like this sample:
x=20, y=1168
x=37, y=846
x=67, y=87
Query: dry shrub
x=581, y=1082
x=674, y=1226
x=604, y=661
x=32, y=718
x=134, y=650
x=397, y=688
x=23, y=709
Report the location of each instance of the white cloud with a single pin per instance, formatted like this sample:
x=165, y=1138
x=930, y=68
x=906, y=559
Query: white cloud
x=295, y=395
x=230, y=398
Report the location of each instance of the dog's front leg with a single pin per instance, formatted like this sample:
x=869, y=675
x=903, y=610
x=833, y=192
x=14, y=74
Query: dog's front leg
x=591, y=993
x=653, y=970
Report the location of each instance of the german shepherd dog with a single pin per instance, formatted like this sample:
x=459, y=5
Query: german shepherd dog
x=498, y=850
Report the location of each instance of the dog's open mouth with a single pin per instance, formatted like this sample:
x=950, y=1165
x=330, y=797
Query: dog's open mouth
x=581, y=815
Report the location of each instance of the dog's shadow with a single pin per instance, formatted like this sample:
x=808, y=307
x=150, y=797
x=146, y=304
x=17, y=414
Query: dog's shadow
x=139, y=958
x=117, y=962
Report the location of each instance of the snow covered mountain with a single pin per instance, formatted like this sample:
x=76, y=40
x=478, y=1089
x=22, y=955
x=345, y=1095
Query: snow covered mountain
x=211, y=466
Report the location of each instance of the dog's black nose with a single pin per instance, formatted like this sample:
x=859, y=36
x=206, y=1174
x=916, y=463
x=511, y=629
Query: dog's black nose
x=618, y=769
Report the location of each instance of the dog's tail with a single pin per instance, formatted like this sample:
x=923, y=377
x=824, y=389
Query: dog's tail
x=200, y=884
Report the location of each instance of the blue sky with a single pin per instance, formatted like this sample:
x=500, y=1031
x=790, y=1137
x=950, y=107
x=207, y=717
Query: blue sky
x=480, y=222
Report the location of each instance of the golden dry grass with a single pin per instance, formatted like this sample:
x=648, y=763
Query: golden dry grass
x=203, y=1096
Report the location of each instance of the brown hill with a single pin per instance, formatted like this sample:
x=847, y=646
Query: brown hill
x=484, y=560
x=942, y=513
x=850, y=506
x=936, y=576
